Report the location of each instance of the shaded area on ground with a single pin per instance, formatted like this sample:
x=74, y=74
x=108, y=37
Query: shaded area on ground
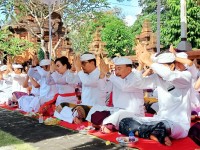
x=47, y=137
x=28, y=129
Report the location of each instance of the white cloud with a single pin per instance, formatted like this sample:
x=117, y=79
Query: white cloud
x=129, y=20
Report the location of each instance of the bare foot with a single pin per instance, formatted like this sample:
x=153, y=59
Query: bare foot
x=105, y=130
x=168, y=142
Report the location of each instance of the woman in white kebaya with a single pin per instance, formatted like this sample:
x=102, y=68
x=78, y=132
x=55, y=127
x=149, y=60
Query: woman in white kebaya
x=58, y=78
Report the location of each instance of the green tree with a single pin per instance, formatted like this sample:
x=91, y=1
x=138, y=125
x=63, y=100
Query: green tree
x=117, y=36
x=72, y=12
x=170, y=21
x=114, y=33
x=11, y=45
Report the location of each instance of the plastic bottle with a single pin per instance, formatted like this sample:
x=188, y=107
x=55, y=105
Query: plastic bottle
x=32, y=113
x=41, y=118
x=131, y=136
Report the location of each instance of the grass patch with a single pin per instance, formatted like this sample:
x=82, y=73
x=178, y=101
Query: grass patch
x=11, y=142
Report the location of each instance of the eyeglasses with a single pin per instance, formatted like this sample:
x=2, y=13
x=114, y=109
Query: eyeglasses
x=83, y=63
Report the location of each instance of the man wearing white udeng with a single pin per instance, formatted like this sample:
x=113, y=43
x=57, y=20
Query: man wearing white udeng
x=88, y=74
x=126, y=96
x=174, y=90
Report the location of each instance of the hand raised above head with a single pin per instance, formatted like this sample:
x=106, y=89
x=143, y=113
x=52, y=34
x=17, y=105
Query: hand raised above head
x=104, y=68
x=145, y=58
x=52, y=67
x=35, y=61
x=73, y=68
x=77, y=63
x=172, y=50
x=140, y=49
x=9, y=67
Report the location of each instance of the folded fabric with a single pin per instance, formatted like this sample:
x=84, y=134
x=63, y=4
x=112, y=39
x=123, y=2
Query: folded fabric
x=65, y=114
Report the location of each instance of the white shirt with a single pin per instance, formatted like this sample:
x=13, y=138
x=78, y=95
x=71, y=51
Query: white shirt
x=126, y=95
x=91, y=93
x=17, y=82
x=6, y=84
x=35, y=91
x=195, y=99
x=174, y=89
x=62, y=84
x=46, y=90
x=63, y=87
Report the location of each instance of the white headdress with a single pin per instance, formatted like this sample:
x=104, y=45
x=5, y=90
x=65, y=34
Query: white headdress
x=45, y=62
x=17, y=66
x=121, y=61
x=86, y=57
x=164, y=58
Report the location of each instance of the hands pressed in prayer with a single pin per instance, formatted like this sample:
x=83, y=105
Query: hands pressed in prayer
x=140, y=49
x=35, y=61
x=104, y=68
x=145, y=58
x=143, y=55
x=52, y=67
x=73, y=68
x=9, y=68
x=29, y=90
x=1, y=75
x=77, y=63
x=172, y=50
x=140, y=66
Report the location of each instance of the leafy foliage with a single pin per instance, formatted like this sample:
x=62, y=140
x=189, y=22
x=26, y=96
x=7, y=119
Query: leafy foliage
x=11, y=45
x=117, y=36
x=41, y=54
x=170, y=21
x=114, y=33
x=72, y=12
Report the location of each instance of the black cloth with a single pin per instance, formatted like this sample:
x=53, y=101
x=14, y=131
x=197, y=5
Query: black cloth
x=149, y=109
x=128, y=124
x=157, y=129
x=194, y=133
x=160, y=132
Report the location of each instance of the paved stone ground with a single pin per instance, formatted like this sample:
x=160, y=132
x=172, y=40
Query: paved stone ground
x=44, y=137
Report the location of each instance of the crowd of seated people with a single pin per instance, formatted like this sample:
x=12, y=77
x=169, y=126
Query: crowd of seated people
x=80, y=92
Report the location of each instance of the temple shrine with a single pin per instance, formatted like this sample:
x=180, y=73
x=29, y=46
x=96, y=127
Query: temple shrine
x=97, y=46
x=20, y=30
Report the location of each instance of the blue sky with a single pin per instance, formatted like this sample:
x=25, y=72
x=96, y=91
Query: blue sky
x=130, y=9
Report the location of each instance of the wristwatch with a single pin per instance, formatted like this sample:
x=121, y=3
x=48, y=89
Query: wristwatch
x=108, y=74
